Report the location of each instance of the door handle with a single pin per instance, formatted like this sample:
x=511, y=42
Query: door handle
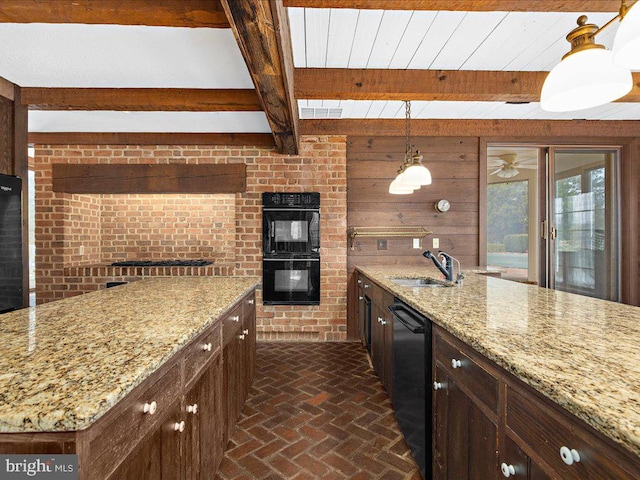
x=554, y=233
x=543, y=230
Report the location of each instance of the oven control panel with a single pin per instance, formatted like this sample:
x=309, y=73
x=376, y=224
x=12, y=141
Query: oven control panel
x=307, y=199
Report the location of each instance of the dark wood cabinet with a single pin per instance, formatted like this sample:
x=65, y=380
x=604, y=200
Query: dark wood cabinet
x=239, y=340
x=158, y=456
x=465, y=436
x=204, y=424
x=488, y=425
x=381, y=329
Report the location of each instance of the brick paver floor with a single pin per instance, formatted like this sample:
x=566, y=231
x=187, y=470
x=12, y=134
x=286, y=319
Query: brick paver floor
x=316, y=411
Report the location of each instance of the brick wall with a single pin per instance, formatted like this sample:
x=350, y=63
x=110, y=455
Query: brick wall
x=224, y=227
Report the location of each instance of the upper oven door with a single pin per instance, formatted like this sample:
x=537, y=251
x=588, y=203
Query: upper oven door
x=291, y=231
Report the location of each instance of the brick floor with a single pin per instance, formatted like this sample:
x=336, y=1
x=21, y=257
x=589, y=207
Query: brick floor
x=316, y=411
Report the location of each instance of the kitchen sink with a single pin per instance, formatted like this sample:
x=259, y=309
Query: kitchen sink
x=420, y=282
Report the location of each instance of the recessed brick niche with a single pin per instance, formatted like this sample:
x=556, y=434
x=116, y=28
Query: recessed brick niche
x=79, y=235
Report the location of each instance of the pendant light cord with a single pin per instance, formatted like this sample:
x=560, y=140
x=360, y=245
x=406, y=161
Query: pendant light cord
x=407, y=129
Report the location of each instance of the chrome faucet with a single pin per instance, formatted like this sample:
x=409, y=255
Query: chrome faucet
x=446, y=266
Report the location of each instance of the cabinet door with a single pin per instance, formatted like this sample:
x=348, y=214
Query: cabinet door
x=377, y=340
x=158, y=457
x=465, y=438
x=387, y=340
x=203, y=413
x=229, y=388
x=517, y=464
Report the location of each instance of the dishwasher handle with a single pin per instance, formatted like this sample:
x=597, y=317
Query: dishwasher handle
x=414, y=323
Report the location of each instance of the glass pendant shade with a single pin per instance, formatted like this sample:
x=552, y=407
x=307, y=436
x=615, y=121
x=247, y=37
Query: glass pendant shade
x=416, y=173
x=396, y=188
x=584, y=79
x=626, y=46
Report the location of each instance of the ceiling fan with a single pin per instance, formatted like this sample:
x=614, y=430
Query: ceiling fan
x=507, y=165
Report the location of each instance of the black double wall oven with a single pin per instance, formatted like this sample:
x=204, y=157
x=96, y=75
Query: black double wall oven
x=291, y=248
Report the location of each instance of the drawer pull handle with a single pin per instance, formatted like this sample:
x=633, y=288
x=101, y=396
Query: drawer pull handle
x=179, y=426
x=241, y=337
x=455, y=363
x=379, y=319
x=359, y=282
x=235, y=318
x=250, y=302
x=507, y=470
x=150, y=408
x=192, y=408
x=360, y=297
x=437, y=386
x=245, y=331
x=569, y=456
x=207, y=347
x=383, y=322
x=367, y=286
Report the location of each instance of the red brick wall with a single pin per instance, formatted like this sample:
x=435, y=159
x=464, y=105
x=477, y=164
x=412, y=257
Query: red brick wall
x=225, y=227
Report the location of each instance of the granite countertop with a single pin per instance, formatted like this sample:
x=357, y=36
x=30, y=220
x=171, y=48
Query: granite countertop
x=65, y=363
x=582, y=353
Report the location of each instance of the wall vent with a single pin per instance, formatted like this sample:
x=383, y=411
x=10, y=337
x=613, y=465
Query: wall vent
x=320, y=112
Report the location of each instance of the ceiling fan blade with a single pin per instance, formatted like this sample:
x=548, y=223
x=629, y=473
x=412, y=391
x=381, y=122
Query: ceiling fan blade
x=496, y=171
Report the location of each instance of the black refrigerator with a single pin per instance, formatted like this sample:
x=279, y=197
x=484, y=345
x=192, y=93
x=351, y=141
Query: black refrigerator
x=10, y=243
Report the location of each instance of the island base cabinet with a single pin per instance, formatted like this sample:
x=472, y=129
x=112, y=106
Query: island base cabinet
x=204, y=424
x=464, y=437
x=515, y=460
x=157, y=457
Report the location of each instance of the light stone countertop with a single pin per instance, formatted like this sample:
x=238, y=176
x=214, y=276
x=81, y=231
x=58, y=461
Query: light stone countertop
x=582, y=353
x=66, y=363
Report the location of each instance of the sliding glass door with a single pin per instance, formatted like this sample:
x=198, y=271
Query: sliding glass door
x=583, y=226
x=552, y=217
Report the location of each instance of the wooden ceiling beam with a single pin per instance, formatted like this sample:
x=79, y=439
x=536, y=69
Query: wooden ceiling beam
x=466, y=5
x=166, y=13
x=454, y=85
x=142, y=99
x=151, y=138
x=262, y=32
x=472, y=128
x=7, y=89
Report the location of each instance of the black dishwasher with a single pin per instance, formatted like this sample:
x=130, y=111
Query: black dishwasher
x=411, y=375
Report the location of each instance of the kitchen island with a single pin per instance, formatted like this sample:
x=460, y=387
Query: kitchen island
x=580, y=353
x=110, y=368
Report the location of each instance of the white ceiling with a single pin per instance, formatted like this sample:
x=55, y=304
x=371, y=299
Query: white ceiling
x=120, y=56
x=60, y=55
x=502, y=41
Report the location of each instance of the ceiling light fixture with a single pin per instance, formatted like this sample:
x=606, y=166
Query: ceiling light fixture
x=412, y=173
x=590, y=75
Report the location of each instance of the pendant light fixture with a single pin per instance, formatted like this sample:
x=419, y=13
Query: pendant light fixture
x=412, y=173
x=590, y=75
x=626, y=46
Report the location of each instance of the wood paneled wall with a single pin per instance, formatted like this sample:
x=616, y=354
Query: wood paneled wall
x=372, y=162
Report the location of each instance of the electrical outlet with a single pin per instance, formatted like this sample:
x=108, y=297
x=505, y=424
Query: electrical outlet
x=436, y=243
x=81, y=250
x=382, y=244
x=416, y=243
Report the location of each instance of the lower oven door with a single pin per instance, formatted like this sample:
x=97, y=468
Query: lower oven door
x=292, y=281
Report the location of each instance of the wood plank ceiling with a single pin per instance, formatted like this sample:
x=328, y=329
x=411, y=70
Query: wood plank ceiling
x=349, y=59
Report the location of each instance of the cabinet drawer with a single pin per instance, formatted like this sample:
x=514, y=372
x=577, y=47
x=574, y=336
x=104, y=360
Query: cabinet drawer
x=231, y=324
x=468, y=371
x=199, y=352
x=127, y=423
x=545, y=431
x=249, y=306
